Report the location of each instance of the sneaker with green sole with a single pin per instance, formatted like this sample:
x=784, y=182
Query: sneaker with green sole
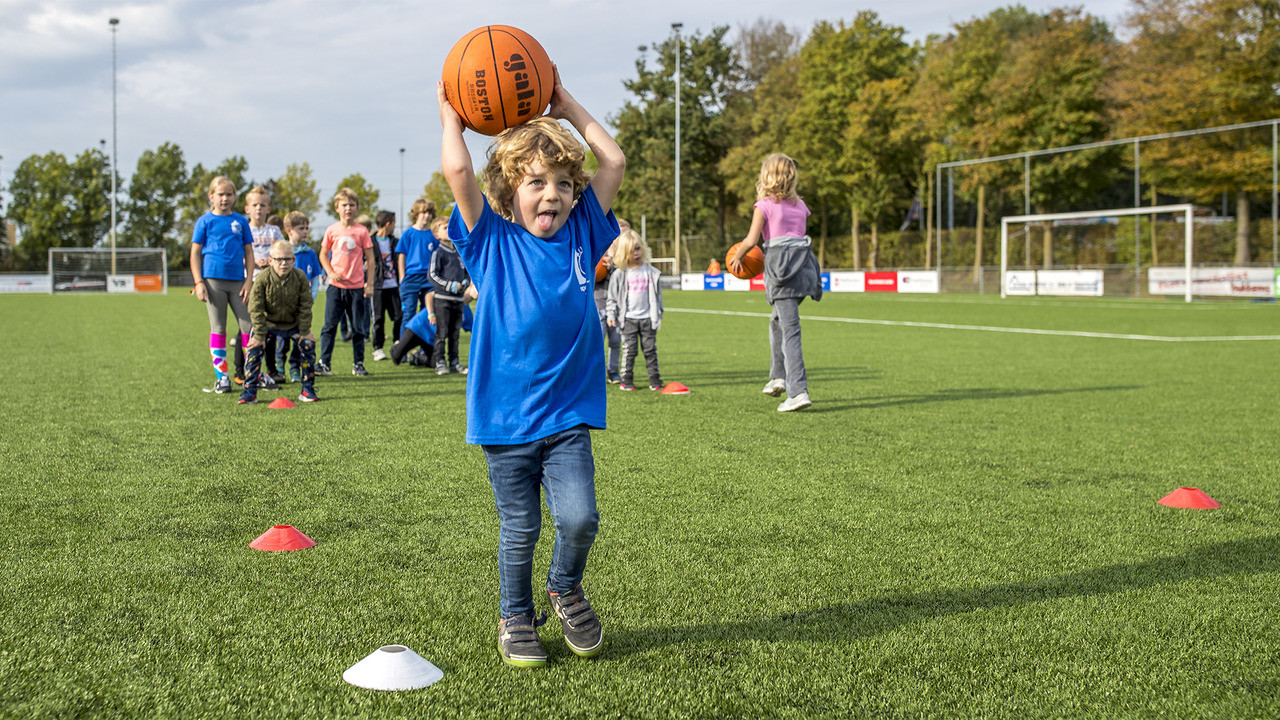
x=518, y=642
x=582, y=631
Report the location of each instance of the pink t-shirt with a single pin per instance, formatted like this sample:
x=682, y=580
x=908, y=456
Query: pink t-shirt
x=345, y=247
x=783, y=219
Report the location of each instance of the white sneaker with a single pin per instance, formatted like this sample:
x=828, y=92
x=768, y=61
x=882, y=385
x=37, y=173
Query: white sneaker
x=775, y=387
x=798, y=402
x=378, y=354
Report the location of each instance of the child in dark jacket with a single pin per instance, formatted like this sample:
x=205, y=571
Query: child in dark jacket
x=450, y=280
x=280, y=306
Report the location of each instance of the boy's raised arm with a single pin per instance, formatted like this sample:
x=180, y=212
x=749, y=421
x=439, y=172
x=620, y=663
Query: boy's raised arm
x=612, y=163
x=455, y=163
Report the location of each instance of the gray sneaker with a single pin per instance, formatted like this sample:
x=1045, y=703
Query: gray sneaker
x=518, y=642
x=358, y=370
x=582, y=631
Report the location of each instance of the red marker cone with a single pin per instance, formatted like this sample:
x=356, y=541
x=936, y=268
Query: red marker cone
x=282, y=537
x=675, y=388
x=281, y=403
x=1188, y=497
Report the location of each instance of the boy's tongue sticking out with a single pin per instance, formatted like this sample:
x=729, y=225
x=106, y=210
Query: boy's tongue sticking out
x=545, y=220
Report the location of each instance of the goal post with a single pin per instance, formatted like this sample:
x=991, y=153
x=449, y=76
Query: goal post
x=123, y=270
x=1185, y=209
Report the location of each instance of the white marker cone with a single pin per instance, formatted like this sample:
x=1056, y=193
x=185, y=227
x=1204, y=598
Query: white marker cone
x=392, y=667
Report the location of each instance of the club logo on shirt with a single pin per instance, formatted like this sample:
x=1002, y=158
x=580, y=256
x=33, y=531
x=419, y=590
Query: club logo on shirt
x=345, y=244
x=235, y=226
x=577, y=269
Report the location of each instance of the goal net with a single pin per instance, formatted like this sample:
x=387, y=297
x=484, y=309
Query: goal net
x=123, y=270
x=1053, y=281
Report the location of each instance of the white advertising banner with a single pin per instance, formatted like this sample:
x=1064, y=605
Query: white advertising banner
x=691, y=281
x=25, y=284
x=1069, y=282
x=848, y=282
x=1223, y=282
x=120, y=284
x=1020, y=282
x=918, y=281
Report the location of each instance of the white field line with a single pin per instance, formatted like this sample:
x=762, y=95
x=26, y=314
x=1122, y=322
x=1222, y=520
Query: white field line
x=991, y=328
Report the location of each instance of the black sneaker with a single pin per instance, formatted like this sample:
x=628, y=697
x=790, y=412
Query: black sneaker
x=265, y=382
x=358, y=370
x=582, y=631
x=279, y=377
x=322, y=369
x=247, y=399
x=222, y=386
x=518, y=642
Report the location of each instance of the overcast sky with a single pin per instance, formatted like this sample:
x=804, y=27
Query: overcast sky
x=341, y=85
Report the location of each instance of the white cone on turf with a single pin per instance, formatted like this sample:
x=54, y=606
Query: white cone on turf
x=392, y=667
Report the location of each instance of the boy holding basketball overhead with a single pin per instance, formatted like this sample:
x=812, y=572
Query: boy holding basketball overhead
x=530, y=241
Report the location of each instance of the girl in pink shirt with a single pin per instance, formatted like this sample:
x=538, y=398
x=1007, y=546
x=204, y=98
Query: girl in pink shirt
x=791, y=273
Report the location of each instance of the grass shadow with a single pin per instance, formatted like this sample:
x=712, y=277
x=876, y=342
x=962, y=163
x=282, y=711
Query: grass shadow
x=886, y=613
x=958, y=394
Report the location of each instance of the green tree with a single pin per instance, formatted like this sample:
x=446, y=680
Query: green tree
x=364, y=191
x=39, y=206
x=838, y=62
x=296, y=190
x=437, y=191
x=767, y=52
x=156, y=191
x=646, y=133
x=1200, y=63
x=90, y=199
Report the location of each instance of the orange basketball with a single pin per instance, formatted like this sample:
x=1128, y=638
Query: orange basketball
x=498, y=77
x=752, y=262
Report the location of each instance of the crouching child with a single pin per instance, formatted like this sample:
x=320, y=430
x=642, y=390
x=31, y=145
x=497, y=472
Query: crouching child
x=280, y=306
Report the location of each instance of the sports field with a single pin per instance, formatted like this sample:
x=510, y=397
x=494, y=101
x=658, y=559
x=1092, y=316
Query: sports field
x=963, y=525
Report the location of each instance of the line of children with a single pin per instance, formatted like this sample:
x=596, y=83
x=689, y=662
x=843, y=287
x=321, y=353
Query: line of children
x=280, y=306
x=635, y=305
x=222, y=268
x=386, y=282
x=530, y=241
x=791, y=273
x=347, y=256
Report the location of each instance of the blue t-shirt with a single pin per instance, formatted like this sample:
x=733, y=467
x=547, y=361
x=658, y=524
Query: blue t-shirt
x=416, y=246
x=222, y=238
x=536, y=347
x=308, y=262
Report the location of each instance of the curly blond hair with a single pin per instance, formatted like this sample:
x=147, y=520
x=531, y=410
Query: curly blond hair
x=542, y=139
x=778, y=178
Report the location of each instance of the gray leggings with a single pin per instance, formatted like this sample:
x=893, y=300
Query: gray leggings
x=219, y=294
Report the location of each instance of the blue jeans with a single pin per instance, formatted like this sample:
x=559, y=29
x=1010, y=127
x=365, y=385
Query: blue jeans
x=337, y=302
x=413, y=295
x=561, y=463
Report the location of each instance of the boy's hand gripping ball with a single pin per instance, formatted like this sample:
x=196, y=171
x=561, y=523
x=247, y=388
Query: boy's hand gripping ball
x=752, y=262
x=498, y=77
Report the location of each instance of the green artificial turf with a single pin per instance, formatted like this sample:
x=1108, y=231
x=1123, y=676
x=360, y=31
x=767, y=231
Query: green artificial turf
x=963, y=525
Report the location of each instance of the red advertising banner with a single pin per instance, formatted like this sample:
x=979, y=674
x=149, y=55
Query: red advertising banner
x=882, y=282
x=757, y=282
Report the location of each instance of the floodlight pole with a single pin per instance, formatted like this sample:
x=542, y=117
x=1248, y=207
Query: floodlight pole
x=400, y=217
x=679, y=57
x=114, y=22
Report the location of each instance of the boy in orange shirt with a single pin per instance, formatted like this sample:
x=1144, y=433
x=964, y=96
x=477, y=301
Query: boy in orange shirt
x=347, y=256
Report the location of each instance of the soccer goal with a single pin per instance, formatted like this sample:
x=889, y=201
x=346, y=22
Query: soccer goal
x=1078, y=282
x=123, y=270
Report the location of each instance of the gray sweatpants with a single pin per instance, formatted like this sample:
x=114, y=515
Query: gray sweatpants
x=786, y=359
x=640, y=332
